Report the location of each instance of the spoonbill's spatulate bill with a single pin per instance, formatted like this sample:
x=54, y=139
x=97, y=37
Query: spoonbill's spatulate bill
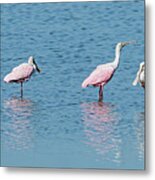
x=22, y=73
x=104, y=72
x=140, y=78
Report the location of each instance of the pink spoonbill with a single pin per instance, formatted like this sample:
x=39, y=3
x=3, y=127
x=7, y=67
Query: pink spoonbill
x=22, y=73
x=104, y=72
x=140, y=78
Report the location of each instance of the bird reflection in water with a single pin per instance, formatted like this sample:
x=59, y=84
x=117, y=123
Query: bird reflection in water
x=100, y=120
x=16, y=125
x=139, y=133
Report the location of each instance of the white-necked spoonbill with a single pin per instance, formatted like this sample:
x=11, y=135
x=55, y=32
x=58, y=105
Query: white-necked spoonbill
x=140, y=77
x=104, y=72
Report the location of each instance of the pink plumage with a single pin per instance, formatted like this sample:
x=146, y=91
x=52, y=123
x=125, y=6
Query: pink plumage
x=100, y=76
x=103, y=73
x=22, y=73
x=19, y=74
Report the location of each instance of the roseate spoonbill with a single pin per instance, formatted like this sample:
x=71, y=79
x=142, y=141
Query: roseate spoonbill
x=104, y=72
x=140, y=78
x=22, y=73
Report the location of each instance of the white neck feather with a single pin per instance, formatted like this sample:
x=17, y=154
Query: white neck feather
x=115, y=63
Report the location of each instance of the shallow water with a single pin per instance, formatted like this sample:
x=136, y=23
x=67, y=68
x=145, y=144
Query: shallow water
x=58, y=124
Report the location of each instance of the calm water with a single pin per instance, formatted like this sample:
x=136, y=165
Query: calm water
x=58, y=124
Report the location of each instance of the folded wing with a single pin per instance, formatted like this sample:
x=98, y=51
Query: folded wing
x=19, y=73
x=100, y=76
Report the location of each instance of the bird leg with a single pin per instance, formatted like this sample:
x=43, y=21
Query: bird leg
x=21, y=90
x=100, y=94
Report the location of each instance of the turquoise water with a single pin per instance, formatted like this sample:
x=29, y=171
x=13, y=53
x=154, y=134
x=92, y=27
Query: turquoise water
x=58, y=124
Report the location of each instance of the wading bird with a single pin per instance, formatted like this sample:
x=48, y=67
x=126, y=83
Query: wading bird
x=22, y=73
x=140, y=78
x=104, y=72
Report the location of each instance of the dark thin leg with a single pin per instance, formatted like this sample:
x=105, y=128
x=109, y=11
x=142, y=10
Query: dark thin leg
x=100, y=94
x=21, y=90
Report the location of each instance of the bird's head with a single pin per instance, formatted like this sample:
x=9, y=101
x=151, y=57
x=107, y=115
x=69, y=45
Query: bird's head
x=120, y=45
x=32, y=62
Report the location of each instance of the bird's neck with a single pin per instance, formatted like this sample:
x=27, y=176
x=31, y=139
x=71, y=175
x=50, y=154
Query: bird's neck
x=117, y=57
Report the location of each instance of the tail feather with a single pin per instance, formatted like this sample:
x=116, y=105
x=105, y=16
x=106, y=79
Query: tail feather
x=8, y=78
x=85, y=83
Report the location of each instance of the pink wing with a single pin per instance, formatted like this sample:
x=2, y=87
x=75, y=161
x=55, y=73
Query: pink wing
x=100, y=76
x=19, y=73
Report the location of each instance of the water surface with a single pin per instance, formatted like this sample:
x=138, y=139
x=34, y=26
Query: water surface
x=58, y=124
